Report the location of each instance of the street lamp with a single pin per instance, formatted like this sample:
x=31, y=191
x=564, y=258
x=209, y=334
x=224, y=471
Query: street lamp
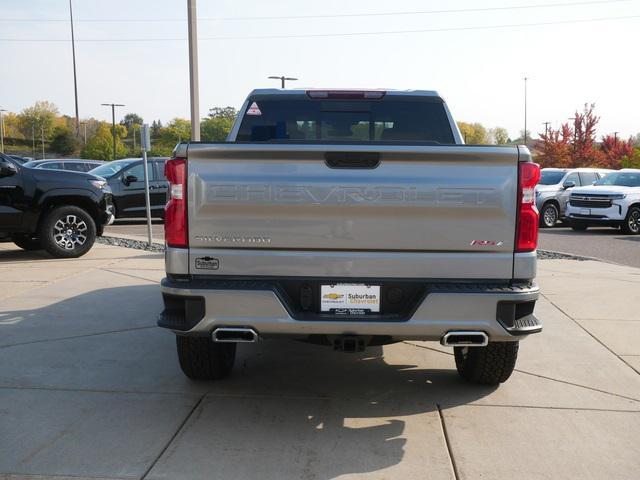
x=525, y=109
x=75, y=79
x=113, y=122
x=282, y=79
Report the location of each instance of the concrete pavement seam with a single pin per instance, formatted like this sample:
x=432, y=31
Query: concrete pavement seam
x=96, y=390
x=540, y=407
x=173, y=437
x=591, y=335
x=566, y=382
x=77, y=336
x=447, y=443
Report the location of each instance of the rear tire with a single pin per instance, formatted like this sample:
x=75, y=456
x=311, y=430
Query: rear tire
x=549, y=215
x=202, y=359
x=67, y=232
x=27, y=242
x=488, y=365
x=631, y=224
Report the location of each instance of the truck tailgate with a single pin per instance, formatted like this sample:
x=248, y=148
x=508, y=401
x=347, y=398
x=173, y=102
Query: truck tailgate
x=444, y=207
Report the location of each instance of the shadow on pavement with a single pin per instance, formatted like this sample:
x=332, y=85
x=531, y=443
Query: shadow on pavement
x=288, y=409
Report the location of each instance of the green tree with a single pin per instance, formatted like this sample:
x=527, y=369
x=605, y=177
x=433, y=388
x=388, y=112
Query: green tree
x=131, y=120
x=178, y=130
x=39, y=117
x=63, y=141
x=500, y=136
x=473, y=133
x=217, y=125
x=100, y=146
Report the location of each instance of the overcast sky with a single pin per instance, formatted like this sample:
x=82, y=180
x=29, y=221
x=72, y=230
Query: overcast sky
x=479, y=71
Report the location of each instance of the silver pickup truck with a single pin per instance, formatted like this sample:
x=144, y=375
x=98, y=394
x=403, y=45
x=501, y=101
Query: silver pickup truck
x=350, y=218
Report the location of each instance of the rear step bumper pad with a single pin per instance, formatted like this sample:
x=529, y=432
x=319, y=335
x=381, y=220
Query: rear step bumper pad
x=446, y=307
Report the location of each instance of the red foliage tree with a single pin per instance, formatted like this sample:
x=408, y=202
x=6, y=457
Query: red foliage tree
x=614, y=150
x=555, y=148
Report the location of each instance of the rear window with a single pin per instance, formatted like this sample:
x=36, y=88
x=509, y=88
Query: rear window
x=327, y=121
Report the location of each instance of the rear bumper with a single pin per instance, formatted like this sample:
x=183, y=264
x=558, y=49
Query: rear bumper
x=503, y=312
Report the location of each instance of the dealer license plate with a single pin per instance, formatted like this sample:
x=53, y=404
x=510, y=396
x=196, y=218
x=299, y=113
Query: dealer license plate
x=350, y=298
x=585, y=211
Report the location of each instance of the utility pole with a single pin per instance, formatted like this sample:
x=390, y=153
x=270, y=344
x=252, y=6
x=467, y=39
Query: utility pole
x=282, y=79
x=193, y=70
x=33, y=140
x=75, y=79
x=615, y=135
x=525, y=109
x=2, y=130
x=42, y=136
x=546, y=128
x=113, y=122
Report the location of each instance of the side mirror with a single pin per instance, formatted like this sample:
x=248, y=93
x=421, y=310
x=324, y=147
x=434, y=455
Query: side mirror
x=568, y=184
x=129, y=179
x=7, y=170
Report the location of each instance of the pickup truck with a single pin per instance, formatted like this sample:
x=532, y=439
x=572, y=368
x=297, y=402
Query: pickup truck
x=350, y=218
x=59, y=211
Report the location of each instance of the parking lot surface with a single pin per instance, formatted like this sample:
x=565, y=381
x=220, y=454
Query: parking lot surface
x=604, y=243
x=90, y=388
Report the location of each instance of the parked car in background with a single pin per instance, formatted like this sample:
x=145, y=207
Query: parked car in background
x=20, y=160
x=554, y=188
x=60, y=212
x=126, y=179
x=613, y=201
x=69, y=164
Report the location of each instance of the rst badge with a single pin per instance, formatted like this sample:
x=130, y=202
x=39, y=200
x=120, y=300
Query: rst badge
x=207, y=263
x=486, y=243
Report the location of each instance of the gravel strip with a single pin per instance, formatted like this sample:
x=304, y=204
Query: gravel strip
x=159, y=247
x=549, y=255
x=127, y=243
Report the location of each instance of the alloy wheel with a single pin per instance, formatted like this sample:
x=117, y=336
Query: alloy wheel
x=70, y=232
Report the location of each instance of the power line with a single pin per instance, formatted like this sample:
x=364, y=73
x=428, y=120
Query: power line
x=343, y=34
x=337, y=15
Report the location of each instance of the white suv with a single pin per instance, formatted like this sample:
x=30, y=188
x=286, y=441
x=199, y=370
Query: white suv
x=613, y=200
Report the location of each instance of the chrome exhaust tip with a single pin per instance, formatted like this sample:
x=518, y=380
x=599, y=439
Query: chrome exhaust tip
x=234, y=335
x=465, y=339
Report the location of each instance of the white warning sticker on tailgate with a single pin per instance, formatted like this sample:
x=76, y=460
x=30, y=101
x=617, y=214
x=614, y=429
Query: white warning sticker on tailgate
x=350, y=298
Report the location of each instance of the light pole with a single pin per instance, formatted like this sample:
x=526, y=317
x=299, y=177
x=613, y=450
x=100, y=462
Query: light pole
x=546, y=128
x=2, y=130
x=282, y=79
x=615, y=135
x=84, y=125
x=113, y=122
x=75, y=80
x=525, y=109
x=42, y=137
x=193, y=70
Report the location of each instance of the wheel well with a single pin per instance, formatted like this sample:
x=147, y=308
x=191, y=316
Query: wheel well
x=636, y=205
x=554, y=201
x=71, y=200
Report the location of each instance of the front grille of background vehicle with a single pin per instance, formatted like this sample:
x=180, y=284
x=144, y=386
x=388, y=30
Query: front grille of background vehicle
x=589, y=202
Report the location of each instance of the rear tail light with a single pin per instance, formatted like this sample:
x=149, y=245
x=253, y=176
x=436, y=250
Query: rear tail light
x=527, y=227
x=176, y=231
x=346, y=94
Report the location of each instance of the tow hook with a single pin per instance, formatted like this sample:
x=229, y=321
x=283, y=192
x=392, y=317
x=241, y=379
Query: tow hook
x=349, y=344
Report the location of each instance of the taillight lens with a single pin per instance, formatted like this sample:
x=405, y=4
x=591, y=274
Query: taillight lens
x=176, y=232
x=528, y=218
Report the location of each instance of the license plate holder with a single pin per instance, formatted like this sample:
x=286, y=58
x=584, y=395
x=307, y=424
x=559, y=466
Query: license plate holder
x=585, y=211
x=350, y=299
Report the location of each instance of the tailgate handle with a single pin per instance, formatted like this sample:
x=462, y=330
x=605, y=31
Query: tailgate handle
x=367, y=160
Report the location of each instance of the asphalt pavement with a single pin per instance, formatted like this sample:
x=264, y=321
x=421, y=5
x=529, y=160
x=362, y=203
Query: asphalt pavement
x=606, y=244
x=603, y=243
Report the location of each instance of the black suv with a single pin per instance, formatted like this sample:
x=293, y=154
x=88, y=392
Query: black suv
x=126, y=179
x=58, y=211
